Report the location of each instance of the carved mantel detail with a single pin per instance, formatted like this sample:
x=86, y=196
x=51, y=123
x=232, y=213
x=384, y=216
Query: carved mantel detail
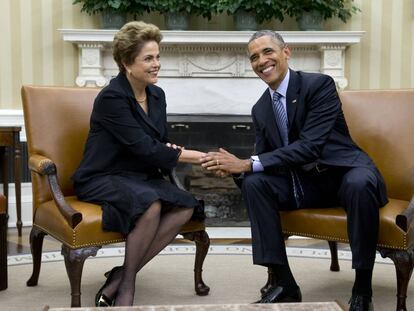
x=220, y=54
x=206, y=72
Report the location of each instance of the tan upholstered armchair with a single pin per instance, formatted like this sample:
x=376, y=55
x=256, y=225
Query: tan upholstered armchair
x=57, y=124
x=381, y=122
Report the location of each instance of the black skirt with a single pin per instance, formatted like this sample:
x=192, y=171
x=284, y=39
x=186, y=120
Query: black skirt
x=125, y=197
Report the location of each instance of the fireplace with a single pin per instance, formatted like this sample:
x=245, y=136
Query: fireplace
x=210, y=89
x=223, y=202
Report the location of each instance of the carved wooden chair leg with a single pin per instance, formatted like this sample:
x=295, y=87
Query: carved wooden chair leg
x=36, y=245
x=404, y=264
x=74, y=260
x=271, y=281
x=333, y=246
x=202, y=242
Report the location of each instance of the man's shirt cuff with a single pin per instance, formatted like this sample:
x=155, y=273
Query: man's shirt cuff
x=256, y=165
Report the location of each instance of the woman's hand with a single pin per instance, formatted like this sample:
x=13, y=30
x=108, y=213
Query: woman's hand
x=191, y=156
x=174, y=146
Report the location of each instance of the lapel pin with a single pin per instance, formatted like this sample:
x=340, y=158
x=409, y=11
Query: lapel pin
x=293, y=101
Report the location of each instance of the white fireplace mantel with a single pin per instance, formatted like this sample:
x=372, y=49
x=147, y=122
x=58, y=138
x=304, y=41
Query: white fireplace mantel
x=210, y=58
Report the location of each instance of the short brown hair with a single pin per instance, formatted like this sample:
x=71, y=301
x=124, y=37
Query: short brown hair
x=130, y=39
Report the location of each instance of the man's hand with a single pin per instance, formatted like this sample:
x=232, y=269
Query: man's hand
x=226, y=162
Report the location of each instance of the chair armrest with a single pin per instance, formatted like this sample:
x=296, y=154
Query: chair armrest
x=44, y=166
x=41, y=165
x=404, y=219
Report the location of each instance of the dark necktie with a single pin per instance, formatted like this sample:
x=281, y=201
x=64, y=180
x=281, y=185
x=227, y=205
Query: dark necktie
x=282, y=124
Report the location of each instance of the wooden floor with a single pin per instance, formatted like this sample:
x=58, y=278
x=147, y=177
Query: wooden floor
x=21, y=245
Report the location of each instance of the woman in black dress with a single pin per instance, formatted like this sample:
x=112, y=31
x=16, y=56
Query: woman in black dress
x=126, y=155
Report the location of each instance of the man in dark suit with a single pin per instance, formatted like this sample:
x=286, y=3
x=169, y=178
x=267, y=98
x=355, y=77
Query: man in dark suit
x=304, y=158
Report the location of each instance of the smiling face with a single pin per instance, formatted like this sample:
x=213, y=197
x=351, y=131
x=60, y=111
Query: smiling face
x=144, y=70
x=269, y=60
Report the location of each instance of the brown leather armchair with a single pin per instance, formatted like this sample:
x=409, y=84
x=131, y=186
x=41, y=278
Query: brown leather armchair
x=381, y=122
x=57, y=124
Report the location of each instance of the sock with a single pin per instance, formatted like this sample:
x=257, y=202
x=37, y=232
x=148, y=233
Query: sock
x=363, y=282
x=284, y=276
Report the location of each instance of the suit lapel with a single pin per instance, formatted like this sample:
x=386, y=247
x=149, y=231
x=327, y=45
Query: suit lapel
x=153, y=113
x=151, y=97
x=292, y=97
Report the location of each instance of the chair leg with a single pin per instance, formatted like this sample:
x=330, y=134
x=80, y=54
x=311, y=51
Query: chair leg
x=36, y=244
x=333, y=246
x=3, y=249
x=74, y=260
x=202, y=242
x=404, y=264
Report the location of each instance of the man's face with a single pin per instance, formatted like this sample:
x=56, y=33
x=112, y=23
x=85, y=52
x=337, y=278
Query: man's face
x=269, y=61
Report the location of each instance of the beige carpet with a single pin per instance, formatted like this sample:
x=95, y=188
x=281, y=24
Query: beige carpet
x=168, y=279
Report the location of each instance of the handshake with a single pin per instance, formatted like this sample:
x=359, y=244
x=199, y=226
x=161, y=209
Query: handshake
x=222, y=163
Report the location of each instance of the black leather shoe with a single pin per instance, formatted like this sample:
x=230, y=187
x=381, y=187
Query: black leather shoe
x=360, y=303
x=269, y=286
x=101, y=300
x=281, y=294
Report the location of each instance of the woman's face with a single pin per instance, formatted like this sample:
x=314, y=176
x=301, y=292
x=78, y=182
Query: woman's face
x=146, y=64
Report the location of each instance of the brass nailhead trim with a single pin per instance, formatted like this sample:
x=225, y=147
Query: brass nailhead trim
x=59, y=238
x=330, y=238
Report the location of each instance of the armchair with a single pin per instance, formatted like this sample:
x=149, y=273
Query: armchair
x=381, y=123
x=57, y=124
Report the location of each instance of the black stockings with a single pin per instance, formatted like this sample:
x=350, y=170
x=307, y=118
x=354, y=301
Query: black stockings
x=152, y=233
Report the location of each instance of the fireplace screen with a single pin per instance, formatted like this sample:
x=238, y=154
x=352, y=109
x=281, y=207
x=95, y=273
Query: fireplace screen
x=223, y=202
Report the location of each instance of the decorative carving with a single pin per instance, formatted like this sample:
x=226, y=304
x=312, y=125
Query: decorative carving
x=333, y=58
x=91, y=65
x=404, y=264
x=89, y=57
x=79, y=254
x=398, y=257
x=99, y=81
x=341, y=82
x=213, y=55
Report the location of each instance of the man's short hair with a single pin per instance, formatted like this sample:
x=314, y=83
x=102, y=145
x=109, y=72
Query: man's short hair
x=273, y=34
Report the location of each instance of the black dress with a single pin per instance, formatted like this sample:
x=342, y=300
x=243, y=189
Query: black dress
x=125, y=157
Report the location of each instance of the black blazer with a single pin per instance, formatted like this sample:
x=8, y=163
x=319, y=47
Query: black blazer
x=123, y=138
x=318, y=132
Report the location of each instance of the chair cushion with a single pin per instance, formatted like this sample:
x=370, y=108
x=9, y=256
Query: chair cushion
x=330, y=224
x=88, y=232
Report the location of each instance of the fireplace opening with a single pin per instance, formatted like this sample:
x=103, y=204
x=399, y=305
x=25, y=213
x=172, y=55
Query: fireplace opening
x=223, y=201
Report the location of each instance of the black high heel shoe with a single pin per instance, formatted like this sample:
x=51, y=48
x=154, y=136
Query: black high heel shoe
x=101, y=300
x=114, y=269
